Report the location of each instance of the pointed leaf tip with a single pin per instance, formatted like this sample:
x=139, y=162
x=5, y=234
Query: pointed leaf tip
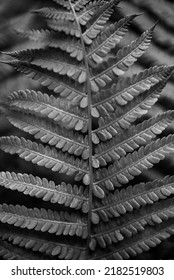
x=153, y=27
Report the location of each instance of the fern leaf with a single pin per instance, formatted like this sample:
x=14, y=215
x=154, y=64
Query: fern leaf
x=62, y=26
x=44, y=156
x=42, y=220
x=47, y=132
x=81, y=4
x=55, y=14
x=70, y=196
x=63, y=3
x=131, y=139
x=55, y=109
x=59, y=84
x=150, y=237
x=108, y=39
x=50, y=248
x=54, y=61
x=10, y=252
x=86, y=14
x=51, y=39
x=118, y=65
x=134, y=197
x=121, y=172
x=127, y=88
x=112, y=124
x=130, y=224
x=98, y=21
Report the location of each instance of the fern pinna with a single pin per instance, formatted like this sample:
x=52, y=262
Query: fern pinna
x=87, y=129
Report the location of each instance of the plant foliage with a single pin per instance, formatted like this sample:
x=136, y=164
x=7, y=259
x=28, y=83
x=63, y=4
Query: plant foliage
x=89, y=129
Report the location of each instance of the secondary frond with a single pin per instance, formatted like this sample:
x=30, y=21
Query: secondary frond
x=124, y=170
x=44, y=246
x=52, y=60
x=58, y=84
x=55, y=109
x=10, y=252
x=63, y=194
x=126, y=200
x=141, y=242
x=45, y=156
x=97, y=23
x=50, y=38
x=47, y=132
x=132, y=223
x=121, y=119
x=43, y=220
x=129, y=140
x=108, y=39
x=117, y=65
x=106, y=101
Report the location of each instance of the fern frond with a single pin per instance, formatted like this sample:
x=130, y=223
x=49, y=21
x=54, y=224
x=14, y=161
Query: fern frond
x=48, y=157
x=98, y=21
x=142, y=242
x=62, y=26
x=56, y=14
x=127, y=88
x=114, y=205
x=68, y=195
x=84, y=12
x=43, y=220
x=128, y=225
x=48, y=132
x=117, y=65
x=108, y=39
x=87, y=12
x=50, y=59
x=124, y=170
x=64, y=3
x=10, y=252
x=50, y=38
x=55, y=109
x=114, y=123
x=131, y=139
x=44, y=246
x=59, y=84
